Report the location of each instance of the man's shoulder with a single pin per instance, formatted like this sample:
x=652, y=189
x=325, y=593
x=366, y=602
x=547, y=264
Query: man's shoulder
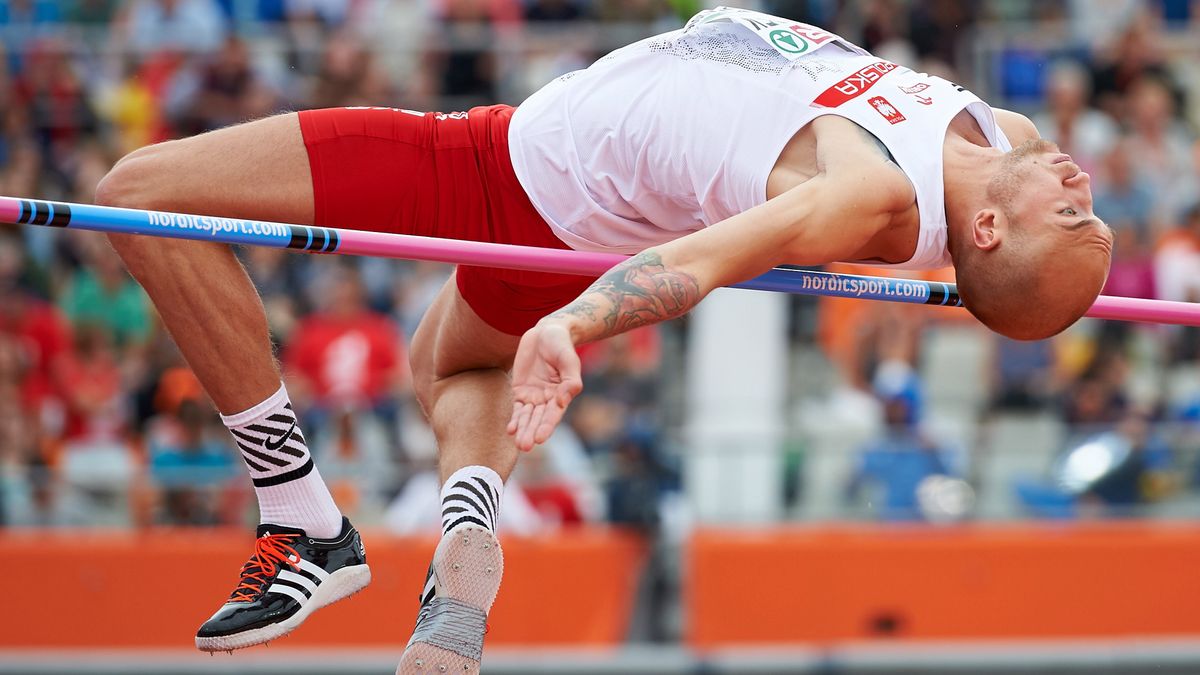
x=1017, y=127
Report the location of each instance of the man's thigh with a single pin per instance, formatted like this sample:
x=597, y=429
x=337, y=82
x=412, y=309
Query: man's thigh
x=256, y=170
x=452, y=339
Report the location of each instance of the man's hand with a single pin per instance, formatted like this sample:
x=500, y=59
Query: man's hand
x=545, y=377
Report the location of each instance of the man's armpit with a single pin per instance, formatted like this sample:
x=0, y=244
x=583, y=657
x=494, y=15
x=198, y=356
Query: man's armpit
x=879, y=145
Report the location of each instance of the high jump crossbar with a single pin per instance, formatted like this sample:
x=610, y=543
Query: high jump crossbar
x=484, y=254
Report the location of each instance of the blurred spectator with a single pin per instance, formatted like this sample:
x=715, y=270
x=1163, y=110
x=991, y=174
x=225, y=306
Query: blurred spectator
x=133, y=110
x=95, y=462
x=28, y=487
x=92, y=389
x=60, y=114
x=193, y=26
x=355, y=453
x=1079, y=130
x=882, y=25
x=349, y=75
x=858, y=337
x=935, y=28
x=1105, y=472
x=891, y=468
x=414, y=291
x=227, y=90
x=1161, y=151
x=1097, y=399
x=1131, y=274
x=553, y=499
x=1177, y=278
x=1023, y=374
x=560, y=481
x=1128, y=202
x=625, y=367
x=1140, y=469
x=468, y=73
x=193, y=466
x=1136, y=54
x=1177, y=260
x=1124, y=198
x=598, y=421
x=104, y=295
x=176, y=385
x=36, y=333
x=635, y=487
x=345, y=354
x=1102, y=21
x=91, y=161
x=387, y=24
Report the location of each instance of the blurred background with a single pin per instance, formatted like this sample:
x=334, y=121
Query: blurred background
x=773, y=484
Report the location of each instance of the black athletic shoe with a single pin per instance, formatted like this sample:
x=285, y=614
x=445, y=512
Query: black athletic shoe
x=290, y=576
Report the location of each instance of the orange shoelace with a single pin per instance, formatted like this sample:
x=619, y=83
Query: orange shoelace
x=270, y=551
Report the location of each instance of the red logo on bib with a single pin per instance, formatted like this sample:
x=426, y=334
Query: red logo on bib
x=886, y=109
x=852, y=87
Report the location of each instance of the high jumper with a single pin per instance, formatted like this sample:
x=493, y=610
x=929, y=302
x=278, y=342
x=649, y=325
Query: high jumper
x=714, y=153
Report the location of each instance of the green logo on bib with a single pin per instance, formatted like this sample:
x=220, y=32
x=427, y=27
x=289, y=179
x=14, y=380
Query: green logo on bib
x=787, y=41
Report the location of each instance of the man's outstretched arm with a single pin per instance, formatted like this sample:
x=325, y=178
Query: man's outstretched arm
x=638, y=292
x=820, y=221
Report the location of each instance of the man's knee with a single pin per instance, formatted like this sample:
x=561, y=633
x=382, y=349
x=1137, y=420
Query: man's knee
x=141, y=180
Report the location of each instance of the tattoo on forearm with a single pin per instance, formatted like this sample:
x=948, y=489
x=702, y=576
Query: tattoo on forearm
x=638, y=292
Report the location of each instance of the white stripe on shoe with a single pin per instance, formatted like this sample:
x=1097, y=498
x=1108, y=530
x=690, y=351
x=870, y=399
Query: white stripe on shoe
x=313, y=569
x=296, y=593
x=300, y=579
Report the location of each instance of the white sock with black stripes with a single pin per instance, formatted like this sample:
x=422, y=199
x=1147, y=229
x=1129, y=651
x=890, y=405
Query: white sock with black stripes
x=289, y=487
x=471, y=495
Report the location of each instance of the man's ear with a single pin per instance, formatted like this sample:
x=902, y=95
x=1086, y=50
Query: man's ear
x=987, y=229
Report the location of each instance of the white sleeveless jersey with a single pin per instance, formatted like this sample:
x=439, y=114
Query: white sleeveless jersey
x=680, y=131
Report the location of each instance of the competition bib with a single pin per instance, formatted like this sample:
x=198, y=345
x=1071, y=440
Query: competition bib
x=792, y=39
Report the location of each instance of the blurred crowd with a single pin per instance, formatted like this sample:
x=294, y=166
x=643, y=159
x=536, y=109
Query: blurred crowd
x=101, y=423
x=1114, y=84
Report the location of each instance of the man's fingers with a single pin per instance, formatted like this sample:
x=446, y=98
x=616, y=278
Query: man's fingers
x=523, y=420
x=535, y=422
x=516, y=415
x=547, y=423
x=525, y=432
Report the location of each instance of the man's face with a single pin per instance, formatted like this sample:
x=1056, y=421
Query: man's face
x=1044, y=193
x=1049, y=227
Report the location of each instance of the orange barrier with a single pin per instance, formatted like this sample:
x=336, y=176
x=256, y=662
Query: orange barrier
x=154, y=589
x=838, y=583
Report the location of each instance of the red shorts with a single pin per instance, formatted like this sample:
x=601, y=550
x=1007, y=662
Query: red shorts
x=450, y=176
